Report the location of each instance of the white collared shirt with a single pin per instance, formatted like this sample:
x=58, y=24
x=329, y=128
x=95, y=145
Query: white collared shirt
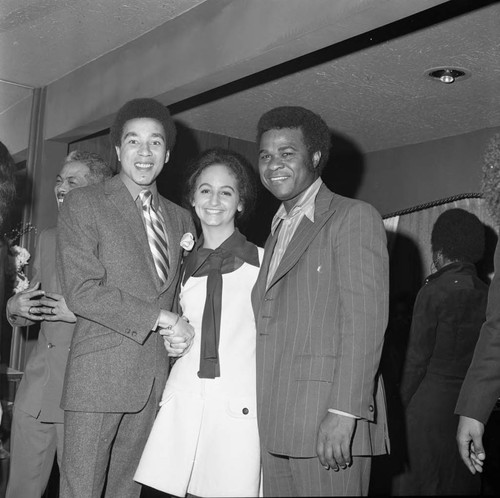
x=289, y=222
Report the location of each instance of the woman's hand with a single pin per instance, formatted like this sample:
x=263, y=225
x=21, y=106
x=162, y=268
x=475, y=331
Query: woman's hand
x=54, y=308
x=25, y=304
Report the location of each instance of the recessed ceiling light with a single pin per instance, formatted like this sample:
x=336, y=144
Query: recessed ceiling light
x=447, y=75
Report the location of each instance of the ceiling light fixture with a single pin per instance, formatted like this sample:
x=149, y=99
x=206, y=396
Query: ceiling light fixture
x=447, y=75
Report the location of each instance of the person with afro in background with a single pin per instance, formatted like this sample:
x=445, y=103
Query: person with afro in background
x=447, y=317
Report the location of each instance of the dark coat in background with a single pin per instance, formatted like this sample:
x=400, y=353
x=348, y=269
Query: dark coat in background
x=448, y=314
x=481, y=387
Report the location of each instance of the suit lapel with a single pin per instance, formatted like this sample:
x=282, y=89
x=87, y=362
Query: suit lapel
x=260, y=285
x=120, y=196
x=173, y=229
x=305, y=233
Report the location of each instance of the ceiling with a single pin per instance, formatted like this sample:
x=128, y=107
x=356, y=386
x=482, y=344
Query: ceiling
x=371, y=89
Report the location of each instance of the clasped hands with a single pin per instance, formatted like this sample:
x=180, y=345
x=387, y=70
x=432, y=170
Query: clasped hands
x=177, y=333
x=36, y=305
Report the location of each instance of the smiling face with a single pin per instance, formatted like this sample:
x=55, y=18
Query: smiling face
x=72, y=175
x=285, y=167
x=142, y=151
x=216, y=198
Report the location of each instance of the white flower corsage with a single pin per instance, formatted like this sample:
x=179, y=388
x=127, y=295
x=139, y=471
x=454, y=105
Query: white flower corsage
x=187, y=241
x=19, y=258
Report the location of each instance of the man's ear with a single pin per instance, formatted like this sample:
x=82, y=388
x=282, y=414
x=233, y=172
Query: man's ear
x=117, y=149
x=167, y=156
x=316, y=158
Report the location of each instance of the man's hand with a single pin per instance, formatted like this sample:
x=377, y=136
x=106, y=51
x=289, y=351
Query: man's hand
x=470, y=443
x=25, y=304
x=178, y=339
x=333, y=445
x=53, y=307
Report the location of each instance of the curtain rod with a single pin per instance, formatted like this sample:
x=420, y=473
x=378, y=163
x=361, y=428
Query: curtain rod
x=439, y=202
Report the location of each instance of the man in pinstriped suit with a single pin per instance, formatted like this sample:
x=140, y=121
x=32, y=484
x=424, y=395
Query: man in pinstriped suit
x=321, y=306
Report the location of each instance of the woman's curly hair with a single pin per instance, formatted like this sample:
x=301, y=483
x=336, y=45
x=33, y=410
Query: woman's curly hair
x=242, y=170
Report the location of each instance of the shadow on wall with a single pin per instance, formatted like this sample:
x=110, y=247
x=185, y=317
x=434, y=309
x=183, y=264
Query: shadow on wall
x=187, y=148
x=344, y=172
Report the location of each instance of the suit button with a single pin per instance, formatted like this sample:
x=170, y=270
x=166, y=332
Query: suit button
x=245, y=411
x=370, y=408
x=50, y=345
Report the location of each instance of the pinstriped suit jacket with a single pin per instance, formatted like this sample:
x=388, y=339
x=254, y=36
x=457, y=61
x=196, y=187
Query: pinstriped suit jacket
x=320, y=329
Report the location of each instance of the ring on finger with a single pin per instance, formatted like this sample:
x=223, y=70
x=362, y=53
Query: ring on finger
x=52, y=311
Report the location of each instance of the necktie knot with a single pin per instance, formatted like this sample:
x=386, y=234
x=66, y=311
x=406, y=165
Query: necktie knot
x=146, y=197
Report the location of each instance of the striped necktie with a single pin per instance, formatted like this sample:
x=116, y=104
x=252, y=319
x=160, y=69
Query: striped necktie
x=156, y=235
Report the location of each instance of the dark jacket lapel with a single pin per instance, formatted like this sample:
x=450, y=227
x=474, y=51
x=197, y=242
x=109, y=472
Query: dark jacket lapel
x=119, y=195
x=260, y=285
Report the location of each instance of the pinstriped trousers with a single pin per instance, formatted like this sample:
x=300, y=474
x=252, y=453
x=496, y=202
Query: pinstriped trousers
x=288, y=476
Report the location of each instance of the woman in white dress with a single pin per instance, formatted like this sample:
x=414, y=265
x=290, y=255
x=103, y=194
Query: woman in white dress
x=205, y=441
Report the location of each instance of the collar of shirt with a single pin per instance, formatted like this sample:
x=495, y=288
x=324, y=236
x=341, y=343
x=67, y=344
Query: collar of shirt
x=305, y=205
x=135, y=190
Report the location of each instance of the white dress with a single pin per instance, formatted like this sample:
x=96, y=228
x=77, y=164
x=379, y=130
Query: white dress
x=205, y=440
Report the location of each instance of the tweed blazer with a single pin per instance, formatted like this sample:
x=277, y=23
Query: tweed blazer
x=320, y=329
x=110, y=282
x=40, y=390
x=481, y=387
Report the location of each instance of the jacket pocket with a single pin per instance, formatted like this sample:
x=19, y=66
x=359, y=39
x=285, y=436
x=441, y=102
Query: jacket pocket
x=315, y=367
x=97, y=343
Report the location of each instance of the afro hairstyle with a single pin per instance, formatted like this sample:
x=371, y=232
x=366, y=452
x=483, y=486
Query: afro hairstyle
x=459, y=235
x=314, y=130
x=143, y=108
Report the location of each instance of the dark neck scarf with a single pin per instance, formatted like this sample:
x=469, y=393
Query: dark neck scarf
x=228, y=257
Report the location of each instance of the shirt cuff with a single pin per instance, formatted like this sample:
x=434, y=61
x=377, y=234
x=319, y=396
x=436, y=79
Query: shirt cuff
x=345, y=414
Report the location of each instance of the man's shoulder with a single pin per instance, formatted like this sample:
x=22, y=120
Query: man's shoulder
x=92, y=192
x=172, y=206
x=348, y=204
x=95, y=194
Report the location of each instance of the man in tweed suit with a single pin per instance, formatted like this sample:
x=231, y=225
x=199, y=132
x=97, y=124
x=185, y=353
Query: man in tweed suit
x=321, y=305
x=112, y=281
